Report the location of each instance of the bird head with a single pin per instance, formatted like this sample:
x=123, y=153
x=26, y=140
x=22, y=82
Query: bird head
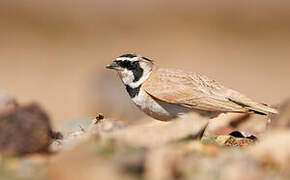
x=133, y=69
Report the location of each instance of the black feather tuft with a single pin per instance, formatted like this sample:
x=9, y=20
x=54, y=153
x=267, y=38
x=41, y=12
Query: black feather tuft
x=147, y=59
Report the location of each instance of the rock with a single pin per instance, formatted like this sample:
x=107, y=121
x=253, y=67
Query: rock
x=25, y=129
x=79, y=130
x=24, y=168
x=101, y=126
x=226, y=123
x=239, y=167
x=228, y=140
x=132, y=160
x=72, y=132
x=273, y=150
x=157, y=133
x=219, y=165
x=164, y=163
x=87, y=160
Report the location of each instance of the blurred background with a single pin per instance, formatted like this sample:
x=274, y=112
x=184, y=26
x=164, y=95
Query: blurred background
x=54, y=52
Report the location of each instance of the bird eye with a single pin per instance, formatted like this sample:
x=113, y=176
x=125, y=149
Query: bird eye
x=118, y=63
x=128, y=64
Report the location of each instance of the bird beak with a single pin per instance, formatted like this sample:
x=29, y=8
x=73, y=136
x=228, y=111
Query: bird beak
x=113, y=65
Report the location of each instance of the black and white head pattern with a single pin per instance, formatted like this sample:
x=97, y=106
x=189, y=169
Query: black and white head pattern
x=134, y=71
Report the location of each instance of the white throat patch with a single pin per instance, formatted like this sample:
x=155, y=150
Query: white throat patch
x=126, y=76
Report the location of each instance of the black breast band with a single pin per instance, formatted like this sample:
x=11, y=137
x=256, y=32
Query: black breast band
x=133, y=92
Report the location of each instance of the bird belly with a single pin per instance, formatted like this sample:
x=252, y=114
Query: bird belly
x=158, y=109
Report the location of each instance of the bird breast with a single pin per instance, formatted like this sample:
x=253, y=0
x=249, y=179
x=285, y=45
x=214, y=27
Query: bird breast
x=158, y=109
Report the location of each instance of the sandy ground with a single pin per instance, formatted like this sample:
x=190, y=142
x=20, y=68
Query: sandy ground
x=231, y=148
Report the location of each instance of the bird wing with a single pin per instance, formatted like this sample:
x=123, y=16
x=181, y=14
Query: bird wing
x=197, y=91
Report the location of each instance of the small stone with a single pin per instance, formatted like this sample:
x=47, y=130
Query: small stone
x=100, y=117
x=227, y=140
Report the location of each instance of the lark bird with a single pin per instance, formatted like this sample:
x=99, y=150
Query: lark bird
x=165, y=94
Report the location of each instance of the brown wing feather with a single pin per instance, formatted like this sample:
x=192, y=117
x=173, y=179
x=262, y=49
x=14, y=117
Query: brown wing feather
x=196, y=91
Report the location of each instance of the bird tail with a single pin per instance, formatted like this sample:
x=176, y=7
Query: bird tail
x=262, y=109
x=251, y=105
